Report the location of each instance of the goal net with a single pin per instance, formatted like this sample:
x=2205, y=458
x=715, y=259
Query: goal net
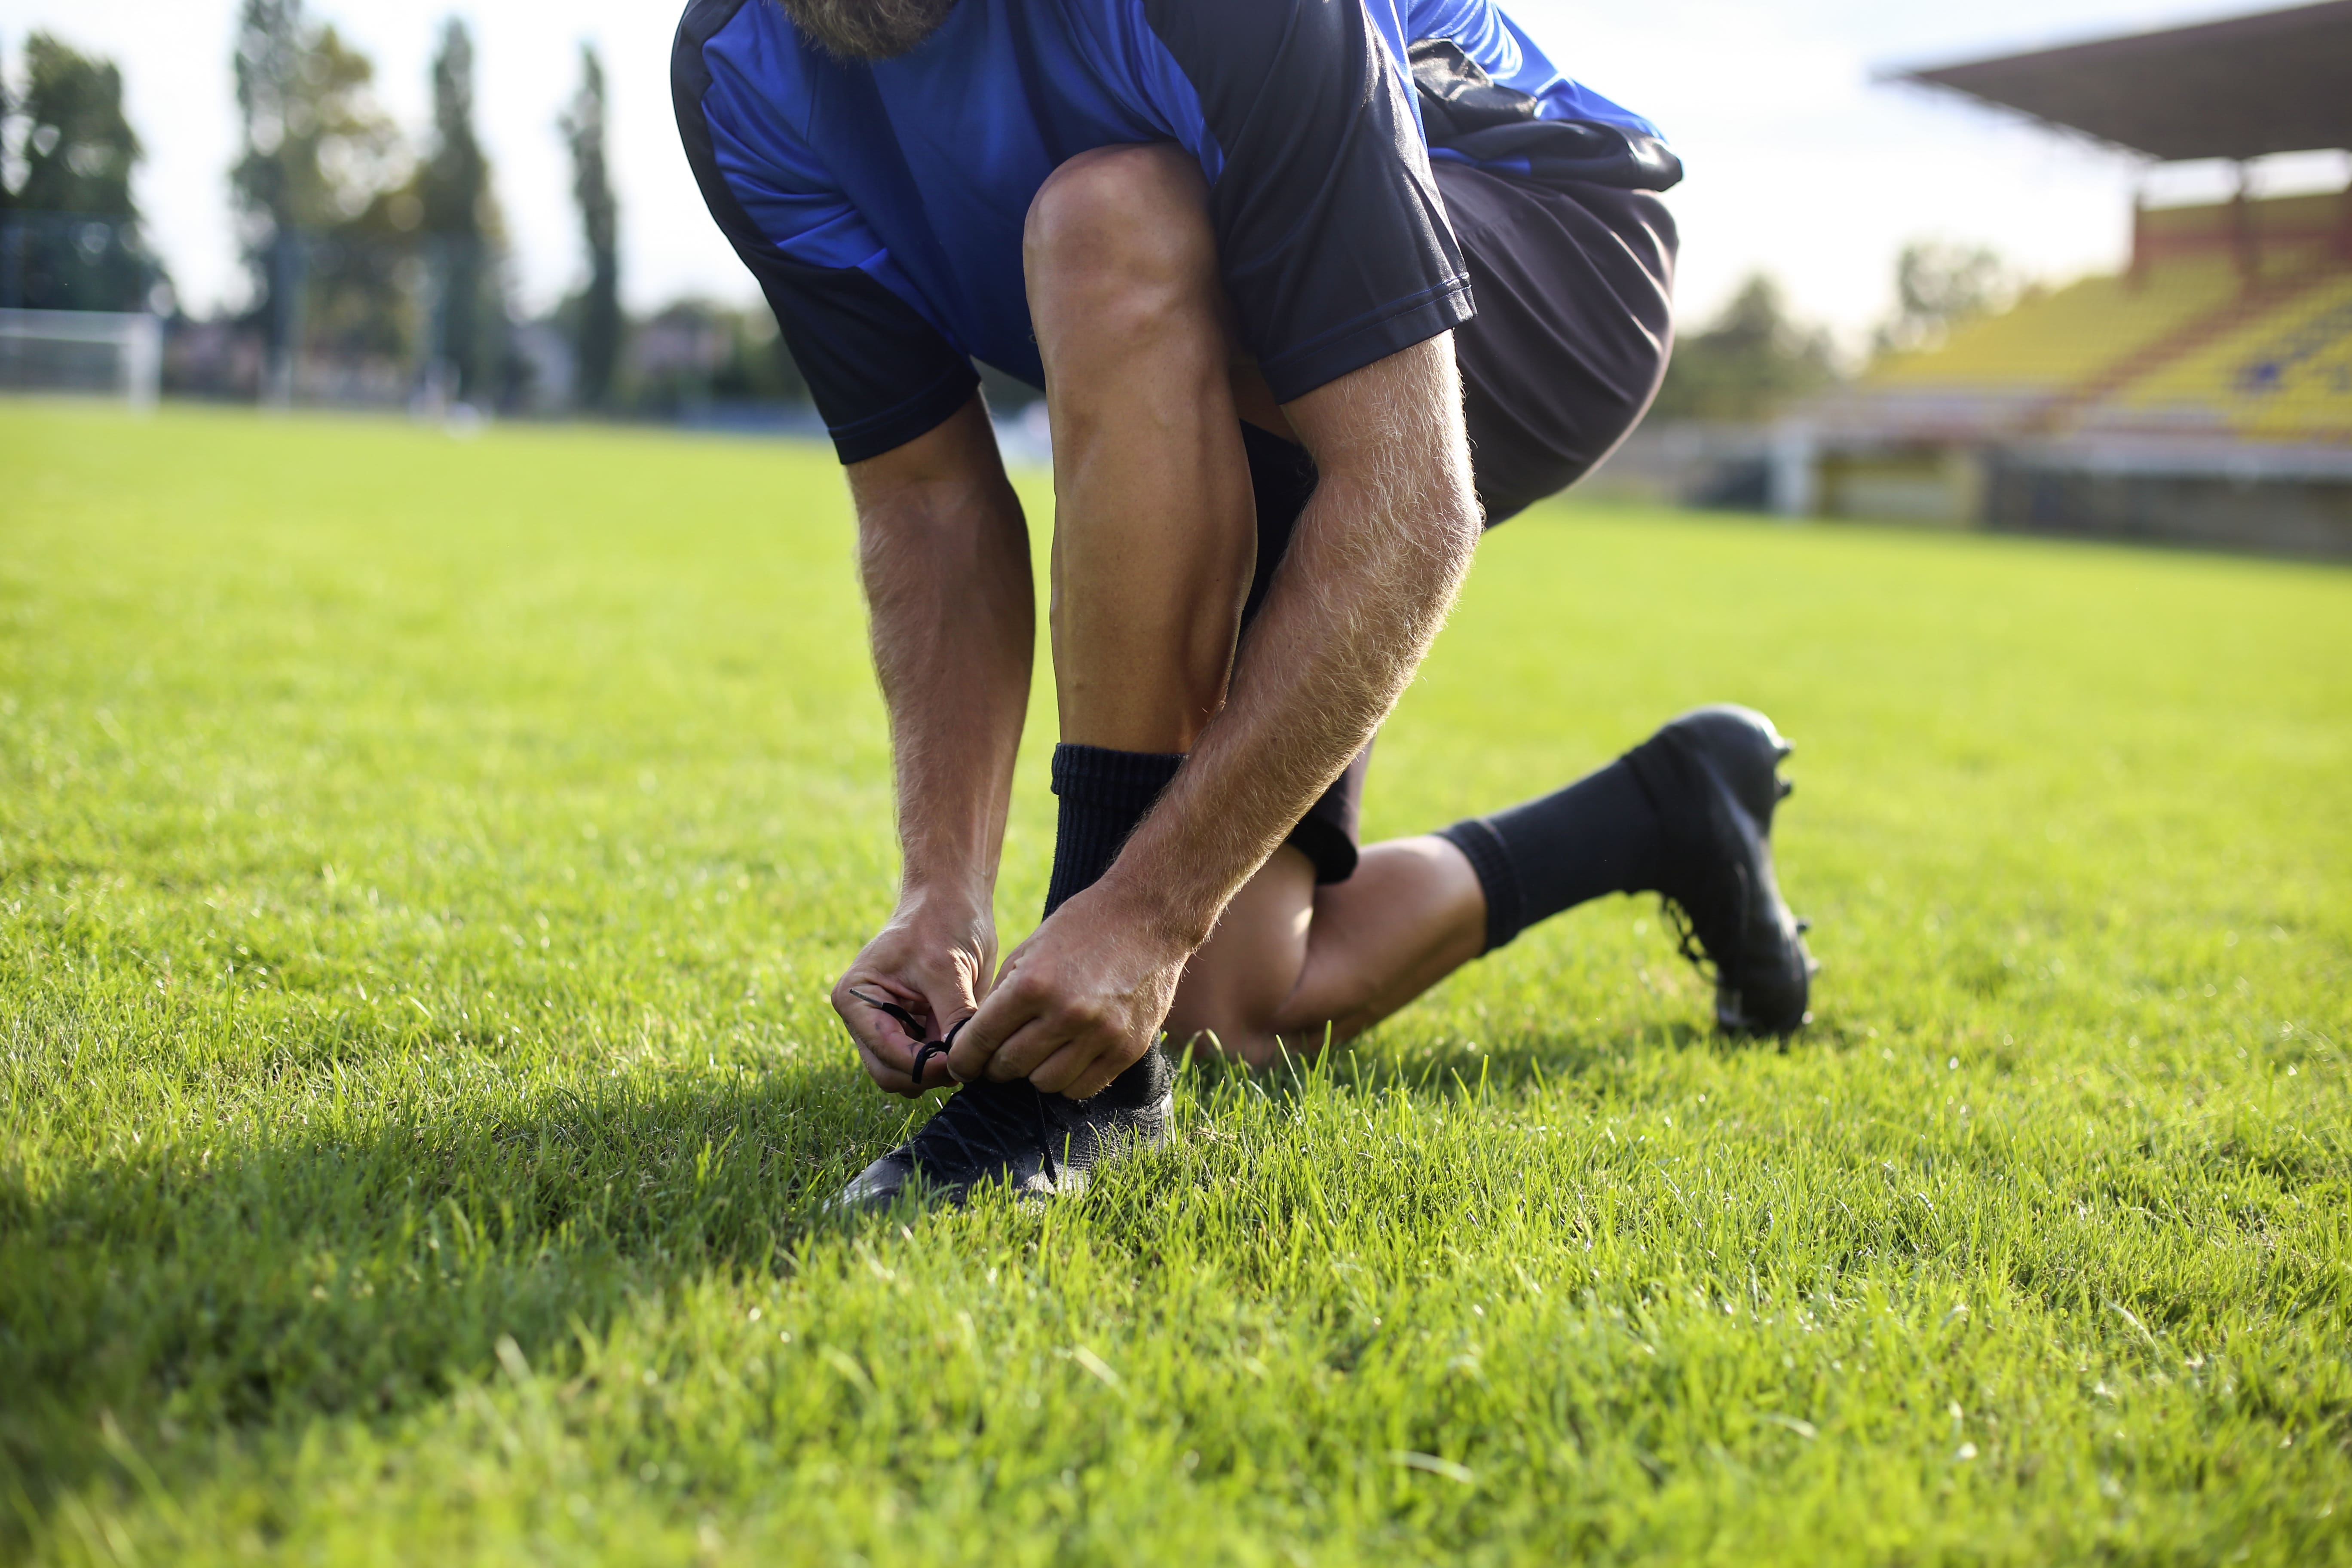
x=105, y=352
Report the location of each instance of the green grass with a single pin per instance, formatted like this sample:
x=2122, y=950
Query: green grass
x=423, y=863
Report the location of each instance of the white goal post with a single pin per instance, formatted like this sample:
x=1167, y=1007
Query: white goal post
x=116, y=354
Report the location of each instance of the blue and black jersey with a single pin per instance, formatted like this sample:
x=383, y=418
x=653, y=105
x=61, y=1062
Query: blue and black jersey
x=881, y=205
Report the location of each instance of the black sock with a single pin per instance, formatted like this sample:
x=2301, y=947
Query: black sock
x=1104, y=795
x=1599, y=835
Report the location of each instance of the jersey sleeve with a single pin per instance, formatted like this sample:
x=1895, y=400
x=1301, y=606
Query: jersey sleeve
x=881, y=374
x=1334, y=241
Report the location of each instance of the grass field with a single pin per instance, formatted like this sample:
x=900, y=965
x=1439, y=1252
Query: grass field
x=423, y=862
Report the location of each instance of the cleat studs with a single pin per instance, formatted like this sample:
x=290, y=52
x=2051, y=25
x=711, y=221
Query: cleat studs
x=1787, y=787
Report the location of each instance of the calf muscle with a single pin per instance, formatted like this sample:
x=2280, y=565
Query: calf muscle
x=1373, y=567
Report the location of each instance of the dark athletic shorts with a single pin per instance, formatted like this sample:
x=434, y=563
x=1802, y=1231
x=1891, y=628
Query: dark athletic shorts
x=1573, y=285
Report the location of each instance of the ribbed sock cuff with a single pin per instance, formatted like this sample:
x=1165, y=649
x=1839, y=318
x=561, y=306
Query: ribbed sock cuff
x=1491, y=859
x=1104, y=795
x=1601, y=835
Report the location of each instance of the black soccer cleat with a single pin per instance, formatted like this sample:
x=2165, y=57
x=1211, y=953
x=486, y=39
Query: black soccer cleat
x=1042, y=1145
x=1712, y=775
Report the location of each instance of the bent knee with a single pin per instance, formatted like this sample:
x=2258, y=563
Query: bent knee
x=1121, y=219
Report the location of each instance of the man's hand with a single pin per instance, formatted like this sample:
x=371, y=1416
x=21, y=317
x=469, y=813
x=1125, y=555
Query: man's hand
x=934, y=960
x=945, y=557
x=1078, y=1003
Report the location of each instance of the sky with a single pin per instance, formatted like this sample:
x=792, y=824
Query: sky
x=1800, y=164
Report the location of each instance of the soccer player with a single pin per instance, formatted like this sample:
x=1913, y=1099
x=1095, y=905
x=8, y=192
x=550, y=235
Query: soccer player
x=1314, y=289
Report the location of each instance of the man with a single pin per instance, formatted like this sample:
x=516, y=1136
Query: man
x=1309, y=285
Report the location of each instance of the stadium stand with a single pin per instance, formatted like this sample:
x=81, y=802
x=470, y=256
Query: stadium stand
x=2187, y=341
x=2049, y=346
x=2203, y=395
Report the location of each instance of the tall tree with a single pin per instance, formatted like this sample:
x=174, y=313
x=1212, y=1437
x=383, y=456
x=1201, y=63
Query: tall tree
x=598, y=343
x=320, y=156
x=1746, y=363
x=78, y=149
x=7, y=120
x=76, y=243
x=461, y=223
x=13, y=236
x=272, y=180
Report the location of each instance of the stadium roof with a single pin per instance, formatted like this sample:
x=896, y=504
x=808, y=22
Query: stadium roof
x=2279, y=81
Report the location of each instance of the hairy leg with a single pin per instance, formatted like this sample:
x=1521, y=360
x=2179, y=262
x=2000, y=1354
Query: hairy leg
x=1154, y=532
x=1154, y=541
x=1294, y=966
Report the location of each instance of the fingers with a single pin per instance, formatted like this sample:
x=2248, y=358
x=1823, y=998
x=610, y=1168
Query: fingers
x=891, y=1079
x=911, y=984
x=1029, y=1047
x=1108, y=1065
x=1015, y=1031
x=1003, y=1012
x=1062, y=1051
x=885, y=1046
x=1072, y=1007
x=897, y=1080
x=876, y=1032
x=1083, y=1069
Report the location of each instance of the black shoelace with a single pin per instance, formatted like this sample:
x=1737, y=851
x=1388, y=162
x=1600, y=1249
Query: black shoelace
x=925, y=1049
x=999, y=1129
x=1687, y=940
x=1693, y=943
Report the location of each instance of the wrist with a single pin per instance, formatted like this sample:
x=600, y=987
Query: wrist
x=1165, y=911
x=947, y=868
x=953, y=905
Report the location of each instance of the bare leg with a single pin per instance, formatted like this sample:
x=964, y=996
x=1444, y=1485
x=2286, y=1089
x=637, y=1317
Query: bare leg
x=1294, y=965
x=1155, y=537
x=1154, y=529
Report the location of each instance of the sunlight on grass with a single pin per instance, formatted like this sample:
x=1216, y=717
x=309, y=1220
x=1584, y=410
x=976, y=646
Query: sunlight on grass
x=422, y=867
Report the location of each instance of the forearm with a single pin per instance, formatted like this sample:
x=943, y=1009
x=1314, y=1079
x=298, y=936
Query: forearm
x=944, y=554
x=1373, y=567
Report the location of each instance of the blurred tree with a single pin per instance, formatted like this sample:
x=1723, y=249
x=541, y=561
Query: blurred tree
x=1940, y=284
x=692, y=353
x=359, y=294
x=1748, y=362
x=271, y=180
x=10, y=173
x=597, y=334
x=758, y=367
x=78, y=149
x=73, y=242
x=462, y=228
x=316, y=191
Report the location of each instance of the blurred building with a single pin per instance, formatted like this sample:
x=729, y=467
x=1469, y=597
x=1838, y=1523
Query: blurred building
x=2204, y=396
